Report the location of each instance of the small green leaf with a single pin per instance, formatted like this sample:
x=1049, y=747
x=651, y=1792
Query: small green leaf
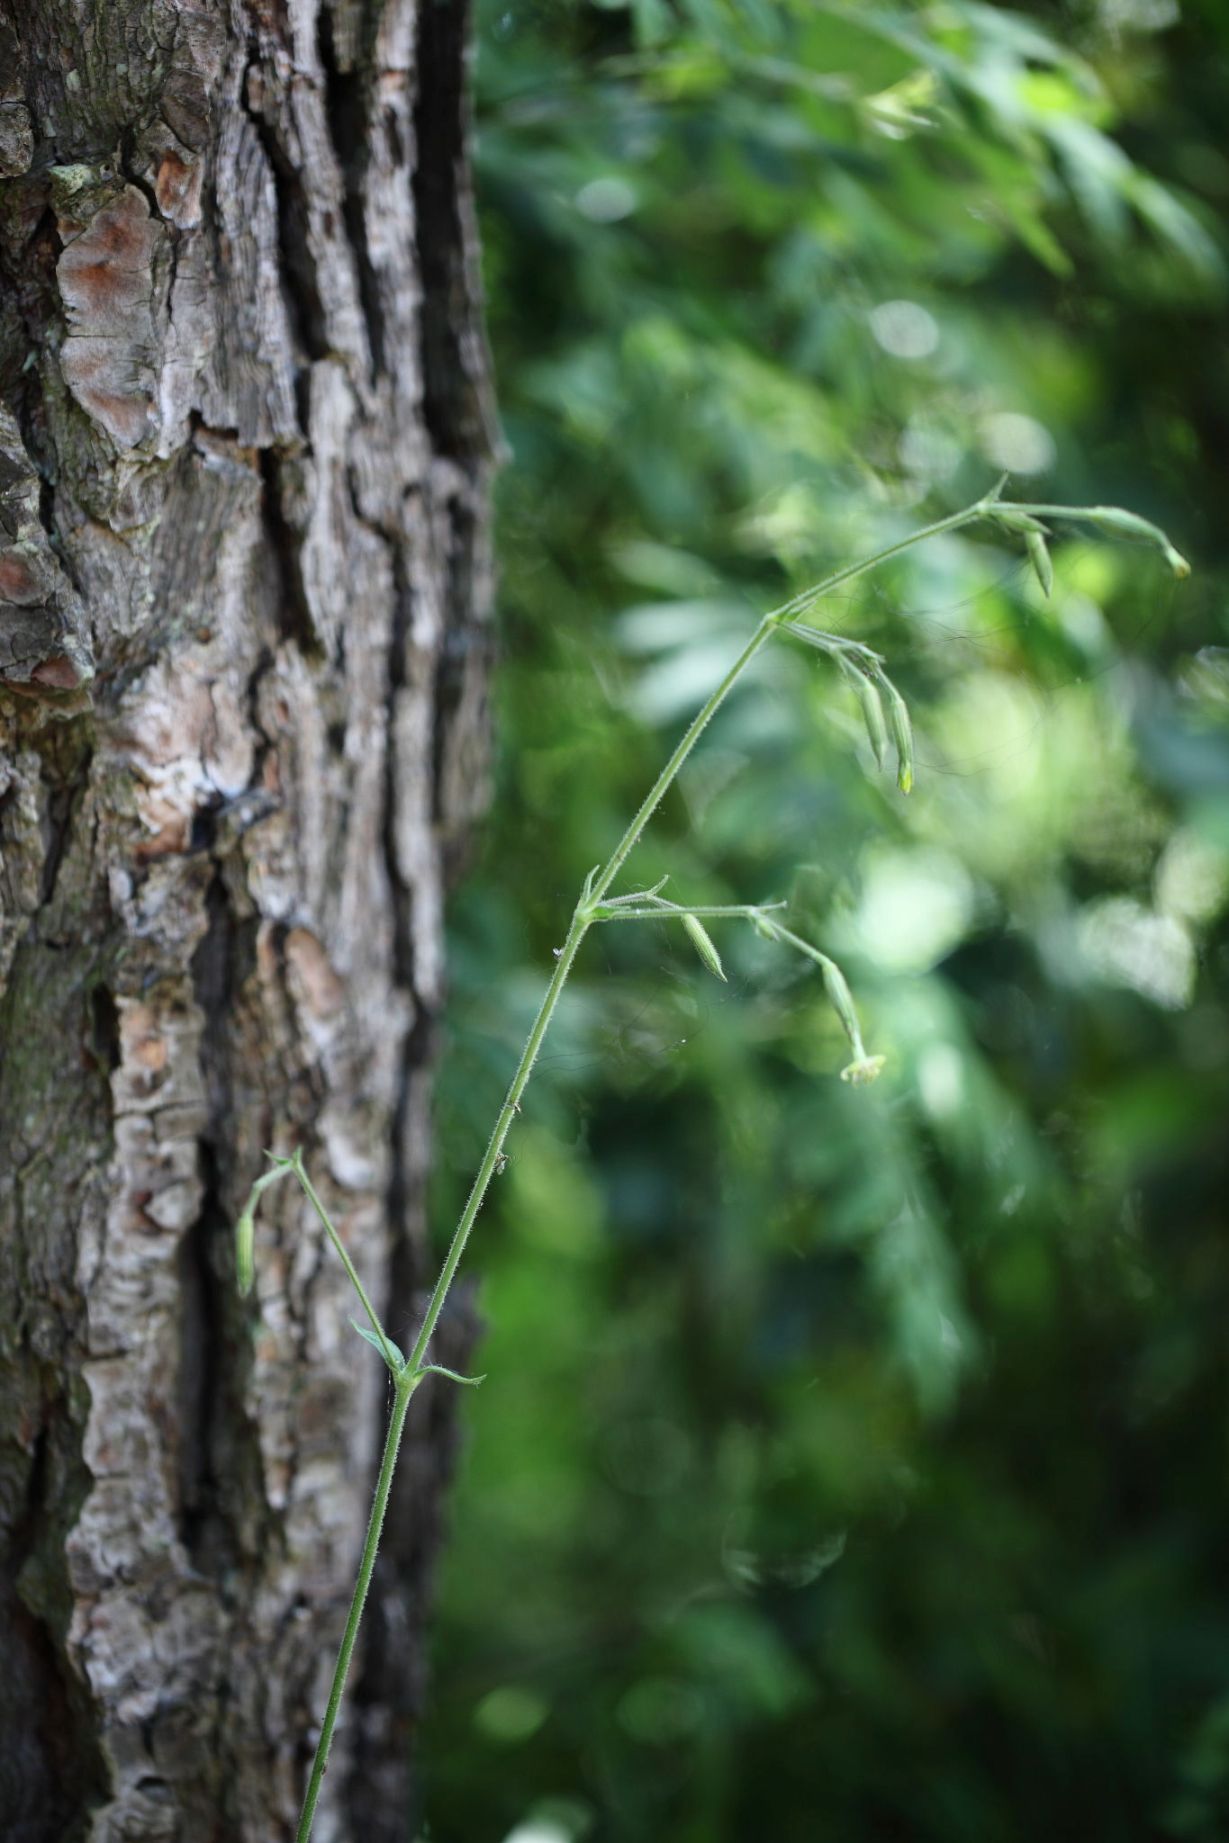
x=383, y=1347
x=437, y=1369
x=703, y=945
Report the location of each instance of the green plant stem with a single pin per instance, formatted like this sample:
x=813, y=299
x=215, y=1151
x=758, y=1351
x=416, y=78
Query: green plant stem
x=665, y=911
x=804, y=947
x=809, y=597
x=405, y=1386
x=1074, y=514
x=584, y=916
x=686, y=744
x=581, y=922
x=779, y=617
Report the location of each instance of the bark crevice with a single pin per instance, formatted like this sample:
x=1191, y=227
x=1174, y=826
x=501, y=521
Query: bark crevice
x=301, y=294
x=349, y=98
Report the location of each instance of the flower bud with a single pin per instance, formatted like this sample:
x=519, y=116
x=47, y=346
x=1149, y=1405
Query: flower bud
x=867, y=694
x=1011, y=520
x=245, y=1250
x=1113, y=518
x=863, y=1068
x=902, y=734
x=703, y=945
x=1039, y=557
x=841, y=998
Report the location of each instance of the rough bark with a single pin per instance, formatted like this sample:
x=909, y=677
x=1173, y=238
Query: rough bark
x=243, y=589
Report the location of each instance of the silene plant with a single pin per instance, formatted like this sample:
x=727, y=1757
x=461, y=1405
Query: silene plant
x=600, y=903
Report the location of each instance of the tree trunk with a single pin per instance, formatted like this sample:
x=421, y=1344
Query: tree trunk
x=244, y=451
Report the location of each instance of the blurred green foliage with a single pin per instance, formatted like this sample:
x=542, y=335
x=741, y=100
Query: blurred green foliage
x=853, y=1464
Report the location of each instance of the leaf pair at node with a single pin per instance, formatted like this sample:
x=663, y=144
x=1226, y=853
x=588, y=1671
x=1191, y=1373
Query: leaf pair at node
x=398, y=1369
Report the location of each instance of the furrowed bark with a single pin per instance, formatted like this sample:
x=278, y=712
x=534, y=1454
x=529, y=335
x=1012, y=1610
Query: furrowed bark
x=244, y=586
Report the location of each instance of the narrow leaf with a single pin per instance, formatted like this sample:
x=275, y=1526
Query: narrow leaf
x=437, y=1369
x=374, y=1341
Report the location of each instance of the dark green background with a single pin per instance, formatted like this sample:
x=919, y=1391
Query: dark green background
x=852, y=1463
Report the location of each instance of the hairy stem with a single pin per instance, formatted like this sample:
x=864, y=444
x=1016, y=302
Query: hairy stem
x=405, y=1386
x=662, y=911
x=808, y=598
x=581, y=921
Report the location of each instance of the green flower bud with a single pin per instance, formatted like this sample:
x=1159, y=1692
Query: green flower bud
x=245, y=1250
x=703, y=945
x=902, y=734
x=1012, y=520
x=868, y=697
x=841, y=999
x=1113, y=518
x=1039, y=557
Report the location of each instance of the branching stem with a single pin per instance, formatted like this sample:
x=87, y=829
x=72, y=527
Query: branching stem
x=594, y=906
